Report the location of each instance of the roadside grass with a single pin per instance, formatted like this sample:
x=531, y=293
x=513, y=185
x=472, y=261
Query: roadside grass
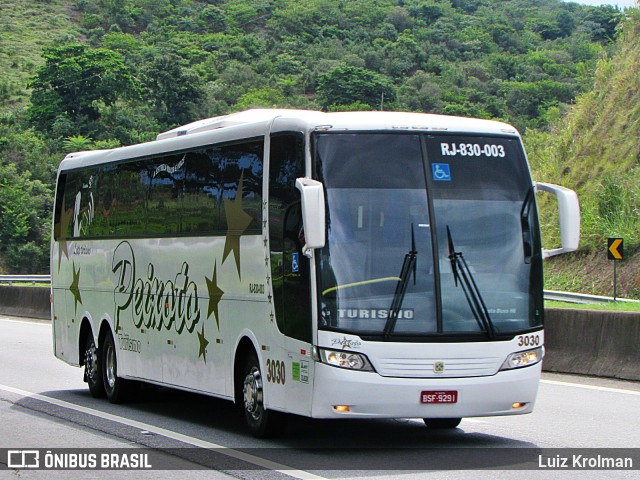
x=606, y=306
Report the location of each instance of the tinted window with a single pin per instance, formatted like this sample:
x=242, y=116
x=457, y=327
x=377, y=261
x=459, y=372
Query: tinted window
x=289, y=268
x=176, y=194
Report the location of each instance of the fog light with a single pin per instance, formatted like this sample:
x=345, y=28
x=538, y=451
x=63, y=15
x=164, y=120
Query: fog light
x=518, y=405
x=342, y=408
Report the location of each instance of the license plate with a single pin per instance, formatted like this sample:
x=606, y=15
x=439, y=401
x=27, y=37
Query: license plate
x=440, y=396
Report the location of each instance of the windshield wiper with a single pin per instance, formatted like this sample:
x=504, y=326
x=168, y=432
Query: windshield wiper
x=408, y=266
x=462, y=273
x=527, y=239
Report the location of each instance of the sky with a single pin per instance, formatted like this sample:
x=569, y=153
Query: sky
x=619, y=3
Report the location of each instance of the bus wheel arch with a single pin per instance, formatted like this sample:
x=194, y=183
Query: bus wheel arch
x=244, y=349
x=249, y=393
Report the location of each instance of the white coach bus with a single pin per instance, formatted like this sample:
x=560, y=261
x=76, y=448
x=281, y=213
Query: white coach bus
x=331, y=265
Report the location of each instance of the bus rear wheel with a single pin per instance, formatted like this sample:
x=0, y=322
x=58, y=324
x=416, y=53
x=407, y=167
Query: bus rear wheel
x=442, y=423
x=262, y=423
x=92, y=368
x=116, y=388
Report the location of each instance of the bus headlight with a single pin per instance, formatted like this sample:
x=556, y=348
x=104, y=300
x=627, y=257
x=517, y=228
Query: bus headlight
x=523, y=359
x=348, y=360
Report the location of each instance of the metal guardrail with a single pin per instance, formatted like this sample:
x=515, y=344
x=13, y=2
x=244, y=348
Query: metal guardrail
x=25, y=279
x=570, y=297
x=548, y=294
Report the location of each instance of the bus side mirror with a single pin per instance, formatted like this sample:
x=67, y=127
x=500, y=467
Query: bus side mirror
x=313, y=215
x=569, y=216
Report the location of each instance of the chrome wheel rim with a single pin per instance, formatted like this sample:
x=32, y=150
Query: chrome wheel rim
x=111, y=366
x=253, y=393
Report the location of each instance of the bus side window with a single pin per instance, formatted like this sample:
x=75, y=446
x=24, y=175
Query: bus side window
x=290, y=268
x=58, y=232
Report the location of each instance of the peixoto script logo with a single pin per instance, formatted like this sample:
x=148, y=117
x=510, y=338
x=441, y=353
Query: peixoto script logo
x=155, y=303
x=160, y=302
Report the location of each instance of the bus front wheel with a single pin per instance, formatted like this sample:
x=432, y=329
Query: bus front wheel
x=263, y=423
x=442, y=423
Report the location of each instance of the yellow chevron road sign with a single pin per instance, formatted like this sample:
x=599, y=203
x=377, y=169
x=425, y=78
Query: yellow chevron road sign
x=615, y=248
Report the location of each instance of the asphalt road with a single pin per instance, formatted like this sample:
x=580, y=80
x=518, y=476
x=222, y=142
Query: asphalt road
x=44, y=404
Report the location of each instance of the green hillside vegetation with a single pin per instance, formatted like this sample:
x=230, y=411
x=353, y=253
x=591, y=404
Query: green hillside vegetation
x=595, y=150
x=116, y=72
x=27, y=160
x=25, y=28
x=516, y=60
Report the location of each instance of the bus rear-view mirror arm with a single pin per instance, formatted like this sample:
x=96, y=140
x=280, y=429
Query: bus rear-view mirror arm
x=569, y=218
x=313, y=214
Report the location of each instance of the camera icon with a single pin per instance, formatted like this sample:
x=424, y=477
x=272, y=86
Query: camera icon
x=23, y=459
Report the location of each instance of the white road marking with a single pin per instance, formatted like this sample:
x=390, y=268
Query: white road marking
x=26, y=320
x=592, y=387
x=261, y=462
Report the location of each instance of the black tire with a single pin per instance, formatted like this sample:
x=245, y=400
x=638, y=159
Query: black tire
x=93, y=368
x=442, y=423
x=262, y=423
x=117, y=389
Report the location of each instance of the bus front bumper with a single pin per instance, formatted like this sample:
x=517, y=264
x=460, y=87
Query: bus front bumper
x=341, y=393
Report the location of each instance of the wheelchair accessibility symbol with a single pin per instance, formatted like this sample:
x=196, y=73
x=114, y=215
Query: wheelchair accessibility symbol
x=441, y=172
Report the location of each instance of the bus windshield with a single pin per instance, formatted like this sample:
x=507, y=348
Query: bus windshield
x=428, y=236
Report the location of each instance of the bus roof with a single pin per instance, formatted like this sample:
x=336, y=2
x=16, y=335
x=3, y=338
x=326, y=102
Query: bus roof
x=254, y=123
x=372, y=120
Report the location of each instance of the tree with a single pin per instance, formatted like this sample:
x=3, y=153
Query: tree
x=528, y=101
x=212, y=19
x=77, y=143
x=25, y=211
x=345, y=85
x=174, y=90
x=421, y=93
x=603, y=21
x=74, y=81
x=260, y=98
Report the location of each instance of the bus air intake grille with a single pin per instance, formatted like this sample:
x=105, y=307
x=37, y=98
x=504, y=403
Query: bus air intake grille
x=438, y=367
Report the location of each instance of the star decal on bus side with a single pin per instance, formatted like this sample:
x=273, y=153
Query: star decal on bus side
x=66, y=216
x=237, y=222
x=203, y=345
x=215, y=294
x=75, y=288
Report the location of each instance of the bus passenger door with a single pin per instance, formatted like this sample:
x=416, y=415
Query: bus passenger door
x=290, y=272
x=296, y=313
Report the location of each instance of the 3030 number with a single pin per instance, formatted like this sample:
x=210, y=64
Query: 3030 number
x=276, y=372
x=529, y=341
